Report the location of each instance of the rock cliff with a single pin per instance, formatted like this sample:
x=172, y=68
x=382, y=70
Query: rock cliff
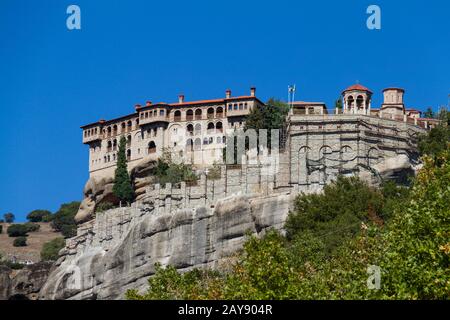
x=118, y=250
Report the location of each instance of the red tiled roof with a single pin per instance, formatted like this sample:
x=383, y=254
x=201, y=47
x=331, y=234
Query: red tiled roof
x=357, y=87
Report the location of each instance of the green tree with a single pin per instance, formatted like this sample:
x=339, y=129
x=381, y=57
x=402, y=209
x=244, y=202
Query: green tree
x=38, y=215
x=17, y=230
x=337, y=212
x=63, y=220
x=169, y=284
x=166, y=171
x=429, y=113
x=32, y=227
x=123, y=188
x=51, y=249
x=9, y=217
x=435, y=141
x=20, y=242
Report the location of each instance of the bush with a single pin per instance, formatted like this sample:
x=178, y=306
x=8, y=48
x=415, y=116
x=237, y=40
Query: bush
x=38, y=215
x=51, y=249
x=167, y=171
x=17, y=230
x=103, y=206
x=20, y=242
x=63, y=220
x=32, y=227
x=336, y=213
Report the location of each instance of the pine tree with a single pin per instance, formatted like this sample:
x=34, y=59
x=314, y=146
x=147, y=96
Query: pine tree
x=123, y=189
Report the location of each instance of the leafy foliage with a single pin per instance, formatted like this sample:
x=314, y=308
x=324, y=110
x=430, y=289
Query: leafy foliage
x=51, y=249
x=123, y=188
x=167, y=171
x=63, y=220
x=103, y=206
x=32, y=227
x=38, y=215
x=17, y=230
x=342, y=206
x=20, y=242
x=169, y=284
x=435, y=141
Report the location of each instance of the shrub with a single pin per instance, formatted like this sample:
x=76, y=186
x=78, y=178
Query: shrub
x=51, y=249
x=38, y=215
x=103, y=206
x=20, y=242
x=342, y=207
x=17, y=230
x=32, y=227
x=63, y=219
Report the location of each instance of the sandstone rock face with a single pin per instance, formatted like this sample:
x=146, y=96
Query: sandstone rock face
x=5, y=282
x=118, y=250
x=99, y=188
x=29, y=280
x=25, y=283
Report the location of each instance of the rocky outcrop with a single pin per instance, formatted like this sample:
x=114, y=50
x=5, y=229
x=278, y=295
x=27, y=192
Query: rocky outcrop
x=98, y=189
x=25, y=283
x=5, y=282
x=118, y=251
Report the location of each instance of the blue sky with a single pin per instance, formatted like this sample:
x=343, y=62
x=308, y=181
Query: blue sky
x=53, y=80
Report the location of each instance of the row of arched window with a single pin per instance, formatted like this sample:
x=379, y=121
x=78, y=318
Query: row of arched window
x=125, y=127
x=196, y=144
x=90, y=132
x=112, y=145
x=211, y=128
x=113, y=157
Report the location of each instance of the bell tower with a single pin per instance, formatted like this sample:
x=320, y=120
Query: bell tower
x=357, y=100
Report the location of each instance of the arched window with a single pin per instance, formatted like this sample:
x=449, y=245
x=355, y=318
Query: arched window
x=210, y=128
x=129, y=141
x=241, y=106
x=151, y=147
x=219, y=112
x=198, y=144
x=177, y=115
x=359, y=102
x=210, y=113
x=115, y=145
x=123, y=127
x=189, y=145
x=219, y=139
x=109, y=148
x=189, y=115
x=198, y=129
x=205, y=141
x=115, y=130
x=198, y=114
x=109, y=131
x=350, y=102
x=190, y=129
x=128, y=154
x=129, y=124
x=219, y=127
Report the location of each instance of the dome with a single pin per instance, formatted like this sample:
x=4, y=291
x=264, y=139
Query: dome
x=357, y=87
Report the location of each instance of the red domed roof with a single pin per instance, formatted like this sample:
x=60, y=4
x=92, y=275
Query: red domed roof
x=357, y=87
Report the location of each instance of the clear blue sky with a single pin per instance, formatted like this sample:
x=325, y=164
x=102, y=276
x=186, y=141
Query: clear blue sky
x=53, y=80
